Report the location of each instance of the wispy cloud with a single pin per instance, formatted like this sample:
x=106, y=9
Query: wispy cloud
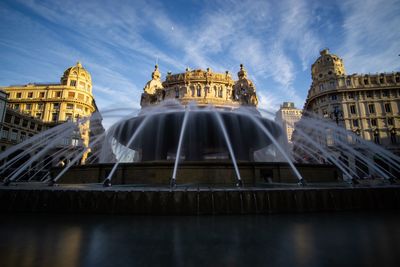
x=372, y=38
x=119, y=42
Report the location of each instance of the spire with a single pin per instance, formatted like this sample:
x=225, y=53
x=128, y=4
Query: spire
x=78, y=64
x=242, y=74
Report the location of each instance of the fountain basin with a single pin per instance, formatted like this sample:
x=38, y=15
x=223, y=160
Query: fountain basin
x=213, y=173
x=159, y=137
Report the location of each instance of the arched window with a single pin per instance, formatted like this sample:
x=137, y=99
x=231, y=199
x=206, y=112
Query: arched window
x=215, y=91
x=220, y=92
x=198, y=91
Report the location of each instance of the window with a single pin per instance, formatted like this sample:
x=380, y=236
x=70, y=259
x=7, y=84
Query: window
x=385, y=93
x=393, y=138
x=388, y=107
x=39, y=127
x=23, y=136
x=369, y=94
x=376, y=137
x=28, y=106
x=8, y=118
x=17, y=120
x=332, y=84
x=82, y=85
x=40, y=106
x=4, y=133
x=75, y=142
x=353, y=109
x=38, y=115
x=32, y=126
x=56, y=105
x=176, y=93
x=19, y=95
x=397, y=79
x=321, y=87
x=355, y=123
x=14, y=135
x=373, y=122
x=366, y=81
x=390, y=121
x=30, y=95
x=41, y=94
x=220, y=92
x=198, y=91
x=70, y=106
x=351, y=95
x=68, y=116
x=81, y=97
x=334, y=97
x=348, y=82
x=371, y=108
x=25, y=123
x=54, y=116
x=381, y=80
x=16, y=106
x=71, y=94
x=72, y=83
x=57, y=94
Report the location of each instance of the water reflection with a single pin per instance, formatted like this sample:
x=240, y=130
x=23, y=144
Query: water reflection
x=367, y=239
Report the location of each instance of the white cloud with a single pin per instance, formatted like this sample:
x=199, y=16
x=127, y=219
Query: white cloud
x=372, y=38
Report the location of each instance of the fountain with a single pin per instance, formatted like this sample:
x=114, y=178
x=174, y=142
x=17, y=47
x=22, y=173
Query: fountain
x=199, y=141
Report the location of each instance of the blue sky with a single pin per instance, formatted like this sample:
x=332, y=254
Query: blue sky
x=119, y=41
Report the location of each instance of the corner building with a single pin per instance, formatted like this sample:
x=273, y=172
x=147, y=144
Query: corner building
x=366, y=104
x=55, y=103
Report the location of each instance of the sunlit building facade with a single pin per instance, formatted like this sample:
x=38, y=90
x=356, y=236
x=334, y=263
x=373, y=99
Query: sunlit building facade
x=55, y=103
x=203, y=86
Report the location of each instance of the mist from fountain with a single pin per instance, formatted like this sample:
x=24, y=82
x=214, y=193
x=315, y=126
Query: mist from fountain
x=172, y=131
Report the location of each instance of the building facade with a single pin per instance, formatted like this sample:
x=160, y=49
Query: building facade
x=287, y=116
x=55, y=103
x=203, y=86
x=366, y=104
x=17, y=127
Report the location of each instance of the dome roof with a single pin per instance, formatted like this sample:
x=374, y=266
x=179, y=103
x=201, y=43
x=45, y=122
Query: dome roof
x=326, y=65
x=76, y=70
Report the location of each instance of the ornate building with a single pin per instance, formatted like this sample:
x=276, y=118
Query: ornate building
x=54, y=103
x=286, y=117
x=204, y=87
x=365, y=104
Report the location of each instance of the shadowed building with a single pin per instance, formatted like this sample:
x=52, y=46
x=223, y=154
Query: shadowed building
x=286, y=117
x=365, y=104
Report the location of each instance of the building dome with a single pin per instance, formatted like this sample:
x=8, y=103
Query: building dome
x=327, y=66
x=77, y=76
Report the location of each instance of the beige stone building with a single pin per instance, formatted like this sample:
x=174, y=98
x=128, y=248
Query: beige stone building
x=366, y=104
x=203, y=86
x=286, y=117
x=54, y=103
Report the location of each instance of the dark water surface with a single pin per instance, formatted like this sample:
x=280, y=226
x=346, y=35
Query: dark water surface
x=327, y=239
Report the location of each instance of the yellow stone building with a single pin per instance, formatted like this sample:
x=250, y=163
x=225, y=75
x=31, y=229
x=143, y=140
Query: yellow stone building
x=203, y=86
x=367, y=104
x=54, y=103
